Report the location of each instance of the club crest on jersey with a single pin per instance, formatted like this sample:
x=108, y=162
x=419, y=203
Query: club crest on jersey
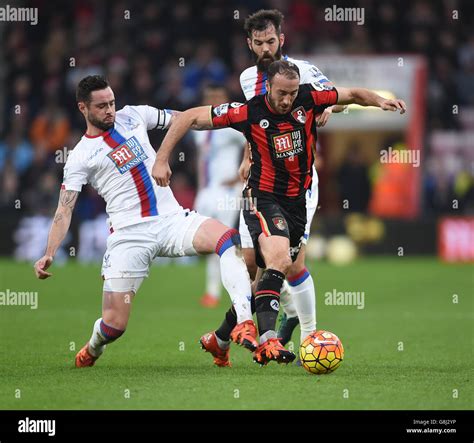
x=280, y=223
x=288, y=145
x=299, y=114
x=128, y=155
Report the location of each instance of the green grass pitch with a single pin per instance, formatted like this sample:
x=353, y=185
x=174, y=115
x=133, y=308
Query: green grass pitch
x=158, y=363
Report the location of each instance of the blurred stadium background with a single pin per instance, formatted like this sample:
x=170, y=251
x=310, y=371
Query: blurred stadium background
x=163, y=53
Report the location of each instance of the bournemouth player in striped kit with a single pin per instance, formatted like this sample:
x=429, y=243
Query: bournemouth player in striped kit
x=280, y=128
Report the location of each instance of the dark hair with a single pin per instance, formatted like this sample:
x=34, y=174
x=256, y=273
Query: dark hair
x=260, y=20
x=282, y=67
x=89, y=84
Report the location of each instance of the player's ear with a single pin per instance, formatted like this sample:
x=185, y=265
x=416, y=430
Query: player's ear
x=249, y=43
x=282, y=39
x=82, y=107
x=267, y=85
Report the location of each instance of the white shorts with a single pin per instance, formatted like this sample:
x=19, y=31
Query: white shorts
x=312, y=195
x=130, y=250
x=221, y=203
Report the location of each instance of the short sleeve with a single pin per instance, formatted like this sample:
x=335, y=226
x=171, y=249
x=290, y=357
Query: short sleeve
x=75, y=174
x=230, y=115
x=314, y=75
x=152, y=118
x=321, y=95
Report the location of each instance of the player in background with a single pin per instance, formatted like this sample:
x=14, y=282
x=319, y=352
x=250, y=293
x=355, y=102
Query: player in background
x=115, y=156
x=279, y=126
x=298, y=297
x=219, y=156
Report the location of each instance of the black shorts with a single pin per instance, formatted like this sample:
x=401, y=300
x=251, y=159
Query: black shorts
x=270, y=215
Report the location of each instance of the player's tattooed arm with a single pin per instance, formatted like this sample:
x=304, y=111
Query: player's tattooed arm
x=57, y=232
x=196, y=118
x=67, y=199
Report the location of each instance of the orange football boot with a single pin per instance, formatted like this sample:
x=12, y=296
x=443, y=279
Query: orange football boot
x=84, y=358
x=272, y=349
x=245, y=334
x=209, y=344
x=209, y=301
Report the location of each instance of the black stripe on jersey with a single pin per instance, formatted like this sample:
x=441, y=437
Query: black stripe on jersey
x=303, y=164
x=256, y=169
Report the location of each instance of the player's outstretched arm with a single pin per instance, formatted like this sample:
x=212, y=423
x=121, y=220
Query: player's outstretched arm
x=365, y=97
x=195, y=118
x=57, y=232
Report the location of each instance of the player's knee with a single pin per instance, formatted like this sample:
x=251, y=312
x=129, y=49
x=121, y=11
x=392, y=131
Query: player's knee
x=280, y=263
x=295, y=269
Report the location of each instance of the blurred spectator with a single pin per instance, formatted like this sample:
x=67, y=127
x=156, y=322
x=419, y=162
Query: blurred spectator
x=163, y=53
x=16, y=151
x=353, y=177
x=50, y=128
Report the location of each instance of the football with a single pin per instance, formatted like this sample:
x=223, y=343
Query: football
x=321, y=352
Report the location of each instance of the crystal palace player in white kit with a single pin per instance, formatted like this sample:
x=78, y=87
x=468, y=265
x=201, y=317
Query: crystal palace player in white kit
x=115, y=156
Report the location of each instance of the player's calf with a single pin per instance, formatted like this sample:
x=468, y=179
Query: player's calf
x=102, y=335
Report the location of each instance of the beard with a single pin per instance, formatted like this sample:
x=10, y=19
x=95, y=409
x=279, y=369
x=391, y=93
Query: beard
x=104, y=126
x=264, y=63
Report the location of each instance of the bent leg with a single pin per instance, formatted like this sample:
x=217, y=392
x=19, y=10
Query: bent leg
x=213, y=236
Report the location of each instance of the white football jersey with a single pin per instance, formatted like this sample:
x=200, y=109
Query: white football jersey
x=118, y=163
x=220, y=153
x=252, y=81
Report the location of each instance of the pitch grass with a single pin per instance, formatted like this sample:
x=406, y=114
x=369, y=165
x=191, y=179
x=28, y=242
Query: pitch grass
x=158, y=364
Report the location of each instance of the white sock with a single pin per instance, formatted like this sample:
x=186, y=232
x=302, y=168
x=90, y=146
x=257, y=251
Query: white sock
x=267, y=336
x=303, y=296
x=213, y=276
x=286, y=301
x=223, y=344
x=97, y=341
x=236, y=281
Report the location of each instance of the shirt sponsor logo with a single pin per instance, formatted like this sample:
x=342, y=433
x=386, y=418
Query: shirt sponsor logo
x=288, y=145
x=128, y=155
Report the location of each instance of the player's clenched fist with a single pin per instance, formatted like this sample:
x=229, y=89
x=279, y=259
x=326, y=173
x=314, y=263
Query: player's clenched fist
x=161, y=173
x=393, y=105
x=41, y=265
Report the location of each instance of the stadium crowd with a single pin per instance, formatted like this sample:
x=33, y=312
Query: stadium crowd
x=163, y=53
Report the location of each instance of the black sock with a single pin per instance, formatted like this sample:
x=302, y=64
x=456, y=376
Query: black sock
x=230, y=321
x=267, y=299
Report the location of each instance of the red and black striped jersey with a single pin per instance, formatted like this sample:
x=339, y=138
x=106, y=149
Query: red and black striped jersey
x=280, y=144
